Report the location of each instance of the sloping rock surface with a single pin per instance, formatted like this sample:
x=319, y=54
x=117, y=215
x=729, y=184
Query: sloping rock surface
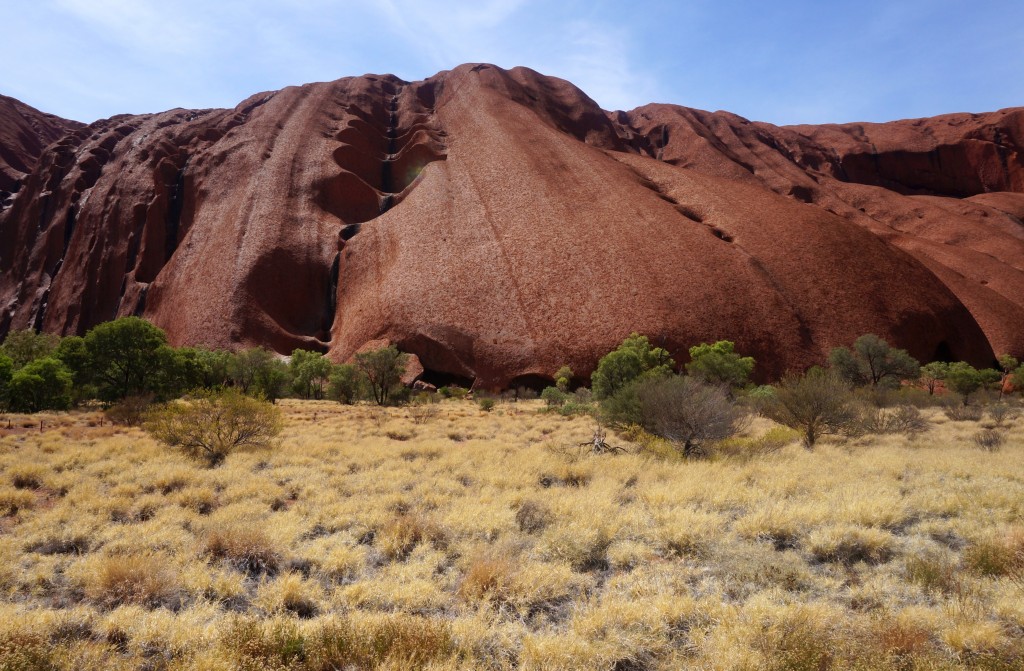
x=499, y=224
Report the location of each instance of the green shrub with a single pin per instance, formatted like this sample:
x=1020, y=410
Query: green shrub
x=43, y=384
x=965, y=379
x=486, y=404
x=685, y=411
x=720, y=364
x=629, y=361
x=563, y=378
x=453, y=391
x=816, y=403
x=554, y=397
x=212, y=424
x=872, y=362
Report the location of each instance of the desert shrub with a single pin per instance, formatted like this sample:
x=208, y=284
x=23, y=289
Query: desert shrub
x=346, y=384
x=212, y=424
x=990, y=440
x=959, y=411
x=382, y=369
x=574, y=408
x=902, y=419
x=486, y=404
x=1002, y=413
x=554, y=397
x=816, y=403
x=129, y=411
x=423, y=410
x=719, y=364
x=244, y=548
x=687, y=412
x=632, y=359
x=453, y=391
x=872, y=362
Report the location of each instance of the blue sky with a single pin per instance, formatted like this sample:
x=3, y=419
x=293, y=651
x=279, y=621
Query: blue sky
x=783, y=62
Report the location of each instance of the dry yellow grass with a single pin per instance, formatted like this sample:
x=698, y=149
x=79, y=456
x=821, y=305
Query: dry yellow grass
x=460, y=539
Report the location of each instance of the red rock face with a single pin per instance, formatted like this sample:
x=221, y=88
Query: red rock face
x=24, y=132
x=499, y=224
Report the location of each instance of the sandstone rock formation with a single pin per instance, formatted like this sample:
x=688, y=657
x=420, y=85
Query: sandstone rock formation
x=499, y=224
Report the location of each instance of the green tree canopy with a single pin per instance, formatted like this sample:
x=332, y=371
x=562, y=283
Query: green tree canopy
x=346, y=384
x=127, y=357
x=933, y=373
x=26, y=346
x=382, y=370
x=720, y=364
x=872, y=362
x=311, y=372
x=632, y=359
x=43, y=384
x=965, y=379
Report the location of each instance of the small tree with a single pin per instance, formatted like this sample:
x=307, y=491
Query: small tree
x=563, y=378
x=873, y=362
x=215, y=366
x=26, y=346
x=632, y=359
x=932, y=374
x=382, y=370
x=686, y=411
x=720, y=364
x=816, y=403
x=965, y=379
x=43, y=384
x=272, y=379
x=310, y=373
x=126, y=357
x=346, y=384
x=213, y=423
x=244, y=366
